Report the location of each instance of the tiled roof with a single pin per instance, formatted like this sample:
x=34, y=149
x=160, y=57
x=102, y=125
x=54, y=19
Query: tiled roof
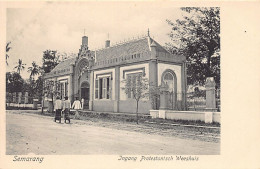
x=125, y=49
x=64, y=64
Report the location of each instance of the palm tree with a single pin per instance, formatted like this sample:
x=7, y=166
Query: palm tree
x=7, y=50
x=34, y=70
x=20, y=66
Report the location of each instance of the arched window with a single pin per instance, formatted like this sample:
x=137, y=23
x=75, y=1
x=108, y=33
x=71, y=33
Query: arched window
x=169, y=80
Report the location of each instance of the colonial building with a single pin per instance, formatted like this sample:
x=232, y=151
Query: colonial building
x=97, y=75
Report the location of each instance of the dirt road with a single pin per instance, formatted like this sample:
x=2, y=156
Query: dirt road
x=28, y=133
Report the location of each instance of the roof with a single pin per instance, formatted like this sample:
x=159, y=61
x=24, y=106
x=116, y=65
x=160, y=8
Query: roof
x=62, y=68
x=64, y=64
x=125, y=49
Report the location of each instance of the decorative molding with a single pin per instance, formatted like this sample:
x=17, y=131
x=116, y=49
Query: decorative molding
x=102, y=74
x=135, y=69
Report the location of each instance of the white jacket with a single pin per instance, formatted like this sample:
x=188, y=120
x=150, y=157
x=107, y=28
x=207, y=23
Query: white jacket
x=76, y=105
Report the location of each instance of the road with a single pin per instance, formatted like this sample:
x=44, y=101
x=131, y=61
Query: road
x=30, y=133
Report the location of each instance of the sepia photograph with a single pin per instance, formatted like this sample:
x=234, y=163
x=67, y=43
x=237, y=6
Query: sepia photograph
x=91, y=79
x=145, y=84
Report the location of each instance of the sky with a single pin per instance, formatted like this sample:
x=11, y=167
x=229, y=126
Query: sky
x=60, y=26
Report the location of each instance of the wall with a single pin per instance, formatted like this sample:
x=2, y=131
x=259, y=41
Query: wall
x=103, y=105
x=216, y=117
x=186, y=115
x=129, y=106
x=177, y=70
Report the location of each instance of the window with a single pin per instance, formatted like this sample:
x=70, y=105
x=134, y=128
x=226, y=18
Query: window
x=132, y=81
x=168, y=79
x=63, y=89
x=103, y=88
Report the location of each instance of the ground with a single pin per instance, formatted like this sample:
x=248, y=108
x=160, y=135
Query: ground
x=31, y=133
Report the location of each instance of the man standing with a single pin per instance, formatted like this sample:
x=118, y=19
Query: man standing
x=57, y=108
x=77, y=106
x=66, y=109
x=82, y=101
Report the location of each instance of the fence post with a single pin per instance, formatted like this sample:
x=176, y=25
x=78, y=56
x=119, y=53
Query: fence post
x=163, y=100
x=35, y=102
x=19, y=97
x=14, y=97
x=210, y=94
x=26, y=98
x=210, y=99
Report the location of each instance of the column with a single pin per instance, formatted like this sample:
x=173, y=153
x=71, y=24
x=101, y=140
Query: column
x=164, y=97
x=184, y=85
x=26, y=98
x=210, y=99
x=91, y=90
x=116, y=80
x=210, y=94
x=71, y=89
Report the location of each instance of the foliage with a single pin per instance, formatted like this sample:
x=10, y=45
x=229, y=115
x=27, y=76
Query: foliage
x=34, y=87
x=154, y=92
x=197, y=36
x=20, y=67
x=7, y=48
x=33, y=70
x=51, y=88
x=63, y=55
x=137, y=87
x=50, y=60
x=14, y=82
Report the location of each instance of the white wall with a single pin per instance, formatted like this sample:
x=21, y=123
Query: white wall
x=177, y=70
x=123, y=96
x=113, y=81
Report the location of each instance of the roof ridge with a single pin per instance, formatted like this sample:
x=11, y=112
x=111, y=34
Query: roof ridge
x=123, y=43
x=158, y=45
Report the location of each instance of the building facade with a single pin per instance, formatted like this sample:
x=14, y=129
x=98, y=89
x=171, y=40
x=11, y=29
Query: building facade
x=97, y=76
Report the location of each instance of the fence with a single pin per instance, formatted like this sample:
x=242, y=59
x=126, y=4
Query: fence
x=20, y=99
x=195, y=101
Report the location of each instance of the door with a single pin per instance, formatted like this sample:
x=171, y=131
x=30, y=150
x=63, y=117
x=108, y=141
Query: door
x=85, y=95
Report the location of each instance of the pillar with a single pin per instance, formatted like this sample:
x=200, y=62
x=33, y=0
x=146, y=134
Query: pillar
x=153, y=71
x=184, y=85
x=26, y=98
x=164, y=97
x=71, y=83
x=14, y=97
x=91, y=90
x=19, y=97
x=210, y=94
x=116, y=80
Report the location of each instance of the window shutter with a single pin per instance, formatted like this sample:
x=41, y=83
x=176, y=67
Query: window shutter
x=66, y=88
x=109, y=88
x=96, y=88
x=104, y=88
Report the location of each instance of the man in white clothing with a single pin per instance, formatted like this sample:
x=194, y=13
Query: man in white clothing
x=77, y=106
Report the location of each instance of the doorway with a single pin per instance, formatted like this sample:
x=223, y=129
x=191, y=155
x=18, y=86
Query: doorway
x=85, y=94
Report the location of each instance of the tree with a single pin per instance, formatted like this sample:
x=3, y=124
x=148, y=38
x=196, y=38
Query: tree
x=50, y=60
x=33, y=70
x=136, y=86
x=20, y=67
x=197, y=36
x=14, y=82
x=51, y=89
x=7, y=48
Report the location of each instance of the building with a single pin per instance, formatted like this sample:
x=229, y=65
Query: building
x=97, y=75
